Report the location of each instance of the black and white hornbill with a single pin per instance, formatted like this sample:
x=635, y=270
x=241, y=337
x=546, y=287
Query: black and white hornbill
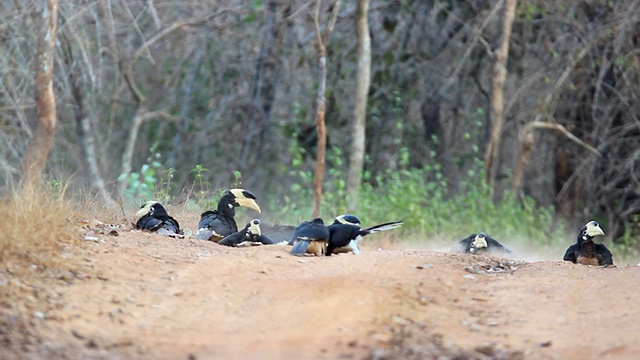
x=310, y=237
x=215, y=225
x=345, y=233
x=587, y=252
x=482, y=243
x=154, y=217
x=248, y=236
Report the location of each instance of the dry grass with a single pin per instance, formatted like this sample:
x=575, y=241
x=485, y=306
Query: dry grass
x=35, y=228
x=38, y=240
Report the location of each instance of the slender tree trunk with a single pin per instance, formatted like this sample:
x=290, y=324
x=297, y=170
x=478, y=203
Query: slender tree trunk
x=35, y=158
x=86, y=138
x=497, y=94
x=363, y=80
x=318, y=177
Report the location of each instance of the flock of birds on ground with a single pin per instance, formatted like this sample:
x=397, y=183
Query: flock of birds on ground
x=342, y=236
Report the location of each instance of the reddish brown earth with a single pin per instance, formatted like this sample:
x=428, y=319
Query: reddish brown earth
x=143, y=296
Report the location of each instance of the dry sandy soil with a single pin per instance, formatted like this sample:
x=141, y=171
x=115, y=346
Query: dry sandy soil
x=143, y=296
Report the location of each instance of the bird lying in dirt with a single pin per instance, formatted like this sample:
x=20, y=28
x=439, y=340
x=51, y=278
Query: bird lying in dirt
x=481, y=244
x=587, y=252
x=154, y=218
x=250, y=235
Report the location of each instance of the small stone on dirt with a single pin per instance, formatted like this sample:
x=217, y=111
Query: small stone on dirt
x=91, y=344
x=488, y=349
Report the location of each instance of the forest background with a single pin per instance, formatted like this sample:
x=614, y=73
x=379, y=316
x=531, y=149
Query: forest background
x=520, y=119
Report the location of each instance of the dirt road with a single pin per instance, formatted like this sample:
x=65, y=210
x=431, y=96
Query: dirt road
x=150, y=297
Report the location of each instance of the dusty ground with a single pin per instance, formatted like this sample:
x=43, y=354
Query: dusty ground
x=143, y=296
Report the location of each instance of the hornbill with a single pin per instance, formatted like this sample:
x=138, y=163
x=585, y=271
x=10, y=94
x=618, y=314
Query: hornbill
x=215, y=225
x=345, y=232
x=247, y=236
x=342, y=219
x=585, y=251
x=310, y=237
x=154, y=217
x=482, y=243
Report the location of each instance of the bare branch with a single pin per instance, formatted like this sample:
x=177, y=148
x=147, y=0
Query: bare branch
x=335, y=9
x=527, y=144
x=147, y=44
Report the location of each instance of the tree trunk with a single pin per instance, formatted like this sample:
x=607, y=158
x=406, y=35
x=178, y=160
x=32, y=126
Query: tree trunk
x=363, y=80
x=497, y=95
x=318, y=176
x=86, y=138
x=35, y=158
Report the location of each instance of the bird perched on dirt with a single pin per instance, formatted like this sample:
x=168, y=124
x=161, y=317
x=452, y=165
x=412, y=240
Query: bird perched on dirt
x=215, y=225
x=310, y=237
x=154, y=218
x=345, y=233
x=585, y=251
x=250, y=235
x=481, y=243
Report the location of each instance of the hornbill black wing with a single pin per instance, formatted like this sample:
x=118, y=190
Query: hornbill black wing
x=341, y=235
x=495, y=245
x=307, y=233
x=234, y=239
x=570, y=254
x=149, y=223
x=265, y=240
x=464, y=245
x=603, y=255
x=170, y=227
x=215, y=226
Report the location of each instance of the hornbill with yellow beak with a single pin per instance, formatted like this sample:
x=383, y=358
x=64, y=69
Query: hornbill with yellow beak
x=215, y=225
x=248, y=236
x=587, y=252
x=345, y=233
x=310, y=237
x=482, y=243
x=154, y=218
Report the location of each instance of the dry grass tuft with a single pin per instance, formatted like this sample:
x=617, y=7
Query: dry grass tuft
x=38, y=238
x=36, y=227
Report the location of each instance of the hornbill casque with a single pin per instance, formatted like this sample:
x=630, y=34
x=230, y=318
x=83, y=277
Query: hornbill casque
x=154, y=218
x=250, y=235
x=345, y=232
x=482, y=243
x=310, y=237
x=587, y=252
x=215, y=225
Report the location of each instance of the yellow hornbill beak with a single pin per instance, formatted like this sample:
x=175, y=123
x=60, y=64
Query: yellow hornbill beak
x=145, y=208
x=594, y=229
x=246, y=199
